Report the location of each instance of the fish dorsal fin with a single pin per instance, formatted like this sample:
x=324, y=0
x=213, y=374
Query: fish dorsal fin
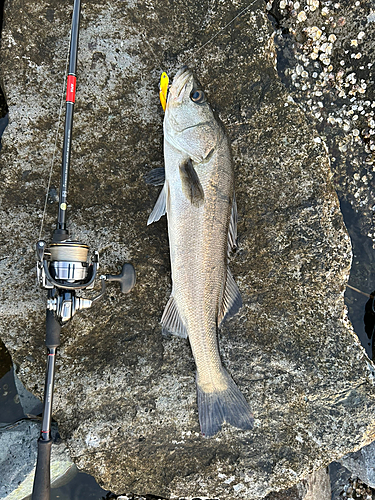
x=231, y=301
x=171, y=320
x=232, y=233
x=159, y=208
x=155, y=177
x=191, y=185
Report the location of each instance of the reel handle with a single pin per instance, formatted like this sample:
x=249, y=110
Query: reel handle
x=126, y=278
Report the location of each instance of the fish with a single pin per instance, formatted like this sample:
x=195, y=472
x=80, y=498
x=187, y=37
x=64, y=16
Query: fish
x=198, y=198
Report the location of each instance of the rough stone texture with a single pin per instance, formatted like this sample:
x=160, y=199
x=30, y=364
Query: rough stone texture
x=324, y=58
x=316, y=486
x=340, y=477
x=125, y=396
x=293, y=493
x=29, y=403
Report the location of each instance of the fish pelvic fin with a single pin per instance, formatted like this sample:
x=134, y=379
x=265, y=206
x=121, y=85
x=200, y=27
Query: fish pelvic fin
x=191, y=186
x=217, y=407
x=160, y=207
x=171, y=320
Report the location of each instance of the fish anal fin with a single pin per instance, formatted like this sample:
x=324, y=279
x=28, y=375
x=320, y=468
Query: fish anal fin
x=232, y=232
x=231, y=301
x=155, y=177
x=217, y=407
x=191, y=185
x=171, y=320
x=159, y=208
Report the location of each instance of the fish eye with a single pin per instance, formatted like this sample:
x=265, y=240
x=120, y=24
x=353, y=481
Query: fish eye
x=198, y=96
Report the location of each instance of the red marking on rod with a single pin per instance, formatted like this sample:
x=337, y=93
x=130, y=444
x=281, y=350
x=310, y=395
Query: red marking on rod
x=71, y=89
x=50, y=354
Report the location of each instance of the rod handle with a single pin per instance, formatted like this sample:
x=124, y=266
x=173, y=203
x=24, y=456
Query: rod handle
x=53, y=329
x=42, y=479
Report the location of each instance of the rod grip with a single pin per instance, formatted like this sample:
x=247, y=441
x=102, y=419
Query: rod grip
x=53, y=329
x=42, y=479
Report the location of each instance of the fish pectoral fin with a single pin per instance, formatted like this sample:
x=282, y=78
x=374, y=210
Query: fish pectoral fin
x=231, y=301
x=155, y=177
x=191, y=186
x=171, y=320
x=232, y=233
x=159, y=208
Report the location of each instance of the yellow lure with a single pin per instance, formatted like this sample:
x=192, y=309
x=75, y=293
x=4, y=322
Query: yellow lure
x=164, y=80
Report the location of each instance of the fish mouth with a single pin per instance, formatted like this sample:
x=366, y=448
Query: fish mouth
x=180, y=80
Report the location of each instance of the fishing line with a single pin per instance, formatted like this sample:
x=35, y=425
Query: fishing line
x=55, y=145
x=221, y=30
x=360, y=291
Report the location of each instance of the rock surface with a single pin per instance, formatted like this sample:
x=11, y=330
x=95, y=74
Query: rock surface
x=340, y=477
x=324, y=60
x=316, y=486
x=124, y=395
x=362, y=464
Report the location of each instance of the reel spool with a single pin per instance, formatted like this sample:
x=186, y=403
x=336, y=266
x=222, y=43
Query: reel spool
x=65, y=265
x=69, y=261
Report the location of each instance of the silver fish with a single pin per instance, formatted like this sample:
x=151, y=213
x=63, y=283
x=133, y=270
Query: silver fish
x=198, y=197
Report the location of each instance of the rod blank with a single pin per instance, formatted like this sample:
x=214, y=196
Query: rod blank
x=70, y=97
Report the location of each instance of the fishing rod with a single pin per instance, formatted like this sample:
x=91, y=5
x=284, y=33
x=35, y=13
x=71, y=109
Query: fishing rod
x=63, y=268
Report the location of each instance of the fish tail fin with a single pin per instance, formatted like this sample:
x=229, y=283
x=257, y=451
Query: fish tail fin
x=228, y=405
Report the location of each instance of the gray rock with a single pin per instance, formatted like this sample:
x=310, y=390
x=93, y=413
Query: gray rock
x=293, y=493
x=316, y=486
x=10, y=408
x=340, y=477
x=338, y=98
x=124, y=395
x=362, y=464
x=326, y=64
x=30, y=404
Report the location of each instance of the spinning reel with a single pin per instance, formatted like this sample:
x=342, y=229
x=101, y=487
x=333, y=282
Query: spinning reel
x=65, y=267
